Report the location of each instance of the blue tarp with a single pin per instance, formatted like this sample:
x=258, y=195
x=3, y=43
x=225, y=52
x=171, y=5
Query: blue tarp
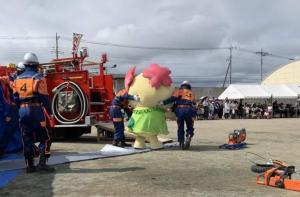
x=9, y=175
x=14, y=143
x=233, y=146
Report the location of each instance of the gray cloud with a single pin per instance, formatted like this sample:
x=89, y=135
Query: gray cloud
x=270, y=24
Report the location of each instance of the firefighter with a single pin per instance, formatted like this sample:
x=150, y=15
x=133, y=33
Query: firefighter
x=20, y=68
x=183, y=100
x=118, y=103
x=30, y=92
x=3, y=119
x=11, y=125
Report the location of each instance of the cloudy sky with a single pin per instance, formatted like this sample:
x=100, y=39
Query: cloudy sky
x=209, y=25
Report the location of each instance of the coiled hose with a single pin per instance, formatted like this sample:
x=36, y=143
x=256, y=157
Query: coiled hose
x=82, y=100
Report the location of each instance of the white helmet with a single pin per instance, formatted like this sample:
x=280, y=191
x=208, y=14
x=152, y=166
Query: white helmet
x=20, y=66
x=30, y=59
x=185, y=83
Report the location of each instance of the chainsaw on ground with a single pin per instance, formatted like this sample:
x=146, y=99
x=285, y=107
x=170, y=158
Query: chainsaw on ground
x=279, y=176
x=236, y=140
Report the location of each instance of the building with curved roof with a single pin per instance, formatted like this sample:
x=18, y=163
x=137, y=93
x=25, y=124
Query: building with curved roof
x=287, y=74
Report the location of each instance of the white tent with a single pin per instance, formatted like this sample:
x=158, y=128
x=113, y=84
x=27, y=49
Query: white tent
x=283, y=93
x=244, y=91
x=280, y=91
x=295, y=88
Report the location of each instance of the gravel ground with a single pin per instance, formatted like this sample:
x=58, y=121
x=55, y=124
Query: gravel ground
x=204, y=170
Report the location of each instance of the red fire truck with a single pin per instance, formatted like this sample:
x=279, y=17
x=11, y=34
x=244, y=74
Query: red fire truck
x=80, y=98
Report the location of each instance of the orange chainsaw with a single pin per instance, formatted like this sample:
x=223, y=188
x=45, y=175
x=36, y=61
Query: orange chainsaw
x=280, y=175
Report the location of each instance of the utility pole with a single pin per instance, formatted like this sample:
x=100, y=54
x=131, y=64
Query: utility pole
x=56, y=45
x=261, y=53
x=261, y=63
x=230, y=64
x=225, y=76
x=228, y=68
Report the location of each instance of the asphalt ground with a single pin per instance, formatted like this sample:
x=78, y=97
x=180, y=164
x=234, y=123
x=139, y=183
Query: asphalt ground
x=204, y=170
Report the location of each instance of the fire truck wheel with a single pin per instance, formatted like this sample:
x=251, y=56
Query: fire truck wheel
x=261, y=168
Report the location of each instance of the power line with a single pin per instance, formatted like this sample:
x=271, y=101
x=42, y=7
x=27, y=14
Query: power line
x=26, y=37
x=149, y=47
x=264, y=53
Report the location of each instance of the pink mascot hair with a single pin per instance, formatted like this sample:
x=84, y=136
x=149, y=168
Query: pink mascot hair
x=129, y=77
x=158, y=75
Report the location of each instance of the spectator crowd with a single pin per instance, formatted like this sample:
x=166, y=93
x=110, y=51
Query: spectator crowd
x=212, y=109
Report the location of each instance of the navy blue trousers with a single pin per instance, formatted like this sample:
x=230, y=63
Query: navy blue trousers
x=33, y=129
x=184, y=116
x=117, y=118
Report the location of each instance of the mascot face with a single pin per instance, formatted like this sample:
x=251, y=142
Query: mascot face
x=152, y=85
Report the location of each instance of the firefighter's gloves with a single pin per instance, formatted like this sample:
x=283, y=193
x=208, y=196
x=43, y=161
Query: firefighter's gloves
x=7, y=119
x=136, y=98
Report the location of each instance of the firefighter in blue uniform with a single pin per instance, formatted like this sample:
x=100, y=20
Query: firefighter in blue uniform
x=11, y=125
x=3, y=118
x=183, y=100
x=30, y=92
x=118, y=103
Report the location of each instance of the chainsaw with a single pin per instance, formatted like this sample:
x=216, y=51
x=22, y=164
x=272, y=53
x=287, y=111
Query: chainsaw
x=279, y=176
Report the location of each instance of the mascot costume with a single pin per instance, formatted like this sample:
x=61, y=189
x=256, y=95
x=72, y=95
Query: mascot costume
x=148, y=119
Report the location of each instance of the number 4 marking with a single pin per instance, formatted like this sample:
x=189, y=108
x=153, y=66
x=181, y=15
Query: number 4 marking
x=23, y=87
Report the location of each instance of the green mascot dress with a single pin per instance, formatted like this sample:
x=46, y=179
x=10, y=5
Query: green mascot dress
x=148, y=120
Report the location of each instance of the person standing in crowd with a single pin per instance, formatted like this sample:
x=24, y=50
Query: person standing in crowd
x=183, y=99
x=118, y=103
x=247, y=110
x=211, y=108
x=206, y=108
x=30, y=93
x=232, y=109
x=220, y=111
x=226, y=108
x=240, y=109
x=298, y=108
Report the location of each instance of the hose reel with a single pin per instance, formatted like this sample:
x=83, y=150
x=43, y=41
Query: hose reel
x=69, y=104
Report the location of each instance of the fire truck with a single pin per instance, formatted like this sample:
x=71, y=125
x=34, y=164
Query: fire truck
x=80, y=92
x=80, y=98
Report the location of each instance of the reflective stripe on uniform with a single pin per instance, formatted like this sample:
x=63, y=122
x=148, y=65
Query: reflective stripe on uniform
x=183, y=106
x=30, y=105
x=43, y=124
x=117, y=119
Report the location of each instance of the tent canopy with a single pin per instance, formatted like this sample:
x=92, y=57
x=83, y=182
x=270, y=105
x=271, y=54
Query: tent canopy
x=295, y=88
x=280, y=91
x=255, y=91
x=237, y=91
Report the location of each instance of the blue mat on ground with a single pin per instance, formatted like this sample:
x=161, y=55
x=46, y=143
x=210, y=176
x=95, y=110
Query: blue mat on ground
x=7, y=176
x=233, y=146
